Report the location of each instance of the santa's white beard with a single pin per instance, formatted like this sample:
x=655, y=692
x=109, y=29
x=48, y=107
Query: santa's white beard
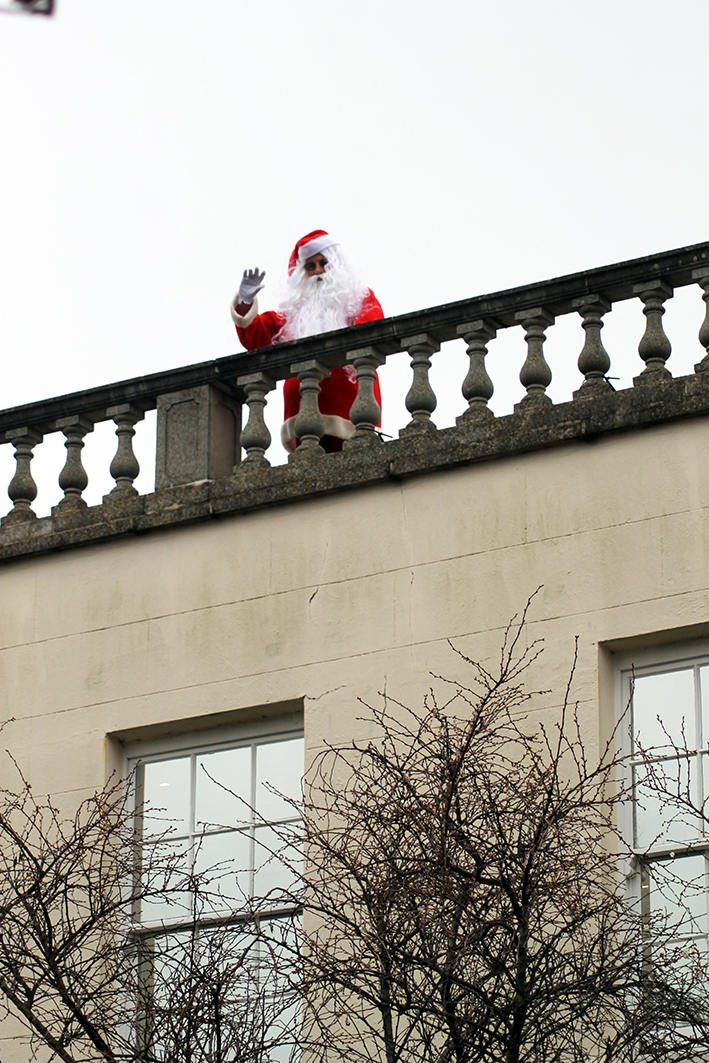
x=323, y=303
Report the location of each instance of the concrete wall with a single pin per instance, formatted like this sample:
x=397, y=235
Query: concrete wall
x=320, y=602
x=337, y=597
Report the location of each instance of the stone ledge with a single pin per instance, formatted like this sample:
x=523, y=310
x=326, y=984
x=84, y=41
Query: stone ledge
x=583, y=419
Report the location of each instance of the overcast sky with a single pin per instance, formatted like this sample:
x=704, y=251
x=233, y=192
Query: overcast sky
x=152, y=149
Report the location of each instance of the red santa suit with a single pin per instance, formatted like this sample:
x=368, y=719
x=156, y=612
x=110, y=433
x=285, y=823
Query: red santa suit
x=339, y=389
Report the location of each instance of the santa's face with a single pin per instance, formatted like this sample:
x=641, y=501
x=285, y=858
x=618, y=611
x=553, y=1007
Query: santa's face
x=315, y=266
x=324, y=294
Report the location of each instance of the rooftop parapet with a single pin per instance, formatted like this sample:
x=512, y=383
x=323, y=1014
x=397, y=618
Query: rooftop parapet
x=200, y=472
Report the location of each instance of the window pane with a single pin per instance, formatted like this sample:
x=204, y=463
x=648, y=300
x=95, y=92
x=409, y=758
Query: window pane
x=231, y=953
x=223, y=788
x=165, y=786
x=280, y=765
x=231, y=942
x=278, y=865
x=678, y=889
x=279, y=970
x=165, y=879
x=164, y=960
x=279, y=951
x=704, y=690
x=198, y=981
x=256, y=1012
x=669, y=696
x=660, y=818
x=226, y=859
x=283, y=1032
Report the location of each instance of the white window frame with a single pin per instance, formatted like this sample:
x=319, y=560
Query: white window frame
x=631, y=665
x=194, y=743
x=252, y=734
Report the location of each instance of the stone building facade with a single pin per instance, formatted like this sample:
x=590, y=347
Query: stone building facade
x=241, y=609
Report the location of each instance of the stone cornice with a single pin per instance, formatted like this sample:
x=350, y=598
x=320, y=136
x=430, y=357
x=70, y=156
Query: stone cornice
x=582, y=420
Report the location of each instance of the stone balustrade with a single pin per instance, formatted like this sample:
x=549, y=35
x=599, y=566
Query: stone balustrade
x=199, y=468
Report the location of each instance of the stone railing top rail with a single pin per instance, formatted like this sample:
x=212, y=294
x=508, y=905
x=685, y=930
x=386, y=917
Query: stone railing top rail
x=613, y=283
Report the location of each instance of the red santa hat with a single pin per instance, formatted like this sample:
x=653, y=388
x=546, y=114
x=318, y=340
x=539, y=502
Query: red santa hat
x=310, y=245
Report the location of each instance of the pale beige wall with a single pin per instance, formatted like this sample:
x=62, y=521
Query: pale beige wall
x=337, y=597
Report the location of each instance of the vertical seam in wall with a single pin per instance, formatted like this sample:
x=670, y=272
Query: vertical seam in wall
x=413, y=571
x=525, y=482
x=663, y=586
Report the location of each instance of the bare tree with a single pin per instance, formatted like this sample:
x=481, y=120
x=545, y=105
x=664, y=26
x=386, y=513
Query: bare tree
x=88, y=982
x=463, y=897
x=462, y=903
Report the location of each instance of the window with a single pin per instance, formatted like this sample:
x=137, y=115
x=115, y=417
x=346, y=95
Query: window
x=668, y=740
x=218, y=812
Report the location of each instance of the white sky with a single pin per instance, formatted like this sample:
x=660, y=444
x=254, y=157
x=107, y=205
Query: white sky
x=152, y=149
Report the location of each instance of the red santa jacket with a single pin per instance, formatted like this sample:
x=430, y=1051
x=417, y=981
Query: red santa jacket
x=337, y=391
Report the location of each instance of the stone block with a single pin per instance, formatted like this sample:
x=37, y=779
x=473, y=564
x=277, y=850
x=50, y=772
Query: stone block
x=197, y=437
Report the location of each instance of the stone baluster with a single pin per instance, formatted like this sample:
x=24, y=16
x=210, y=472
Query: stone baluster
x=124, y=468
x=366, y=412
x=421, y=399
x=701, y=276
x=535, y=374
x=593, y=362
x=73, y=479
x=477, y=386
x=309, y=423
x=255, y=436
x=22, y=489
x=654, y=347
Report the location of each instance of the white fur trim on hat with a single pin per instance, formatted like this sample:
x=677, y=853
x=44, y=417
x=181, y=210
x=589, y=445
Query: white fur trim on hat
x=245, y=320
x=318, y=244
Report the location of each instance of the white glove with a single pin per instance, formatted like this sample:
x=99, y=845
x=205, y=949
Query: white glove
x=251, y=285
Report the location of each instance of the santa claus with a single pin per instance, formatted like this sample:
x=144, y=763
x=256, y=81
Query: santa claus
x=323, y=293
